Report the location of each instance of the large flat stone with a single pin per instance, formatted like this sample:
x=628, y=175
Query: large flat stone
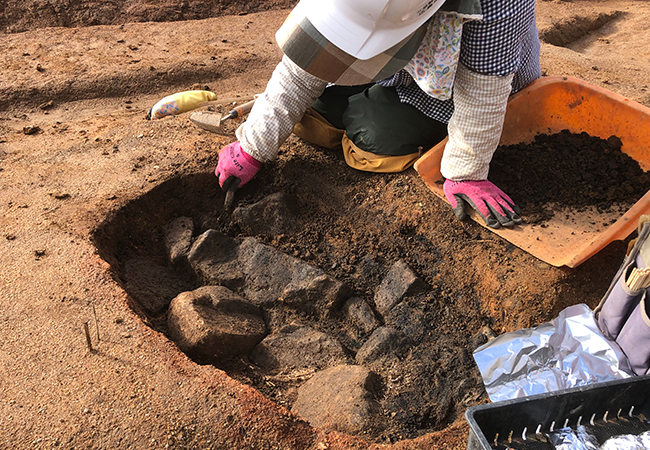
x=263, y=274
x=294, y=348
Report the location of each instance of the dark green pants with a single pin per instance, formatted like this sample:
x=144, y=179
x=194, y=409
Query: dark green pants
x=376, y=121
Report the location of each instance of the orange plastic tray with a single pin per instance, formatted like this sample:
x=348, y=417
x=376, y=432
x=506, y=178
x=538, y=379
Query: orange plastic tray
x=550, y=105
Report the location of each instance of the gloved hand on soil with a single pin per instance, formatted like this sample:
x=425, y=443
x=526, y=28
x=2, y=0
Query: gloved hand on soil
x=492, y=204
x=235, y=164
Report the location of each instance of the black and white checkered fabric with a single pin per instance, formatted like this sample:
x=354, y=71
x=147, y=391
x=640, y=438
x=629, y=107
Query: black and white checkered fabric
x=505, y=42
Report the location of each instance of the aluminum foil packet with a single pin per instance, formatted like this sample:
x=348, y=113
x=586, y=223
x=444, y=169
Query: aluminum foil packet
x=624, y=442
x=570, y=351
x=568, y=439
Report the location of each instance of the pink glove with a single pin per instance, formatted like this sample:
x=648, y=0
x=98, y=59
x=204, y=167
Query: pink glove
x=235, y=164
x=492, y=204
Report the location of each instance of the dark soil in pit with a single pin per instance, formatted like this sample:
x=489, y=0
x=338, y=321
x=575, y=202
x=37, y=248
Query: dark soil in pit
x=571, y=171
x=355, y=226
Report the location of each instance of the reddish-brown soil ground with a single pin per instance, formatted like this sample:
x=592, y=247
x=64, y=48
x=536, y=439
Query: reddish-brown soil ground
x=95, y=154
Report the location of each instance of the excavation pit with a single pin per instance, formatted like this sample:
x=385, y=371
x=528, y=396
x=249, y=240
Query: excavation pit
x=326, y=283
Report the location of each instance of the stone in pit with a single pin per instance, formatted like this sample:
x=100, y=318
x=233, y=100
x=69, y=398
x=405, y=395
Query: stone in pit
x=178, y=238
x=213, y=324
x=273, y=215
x=213, y=257
x=263, y=274
x=341, y=398
x=400, y=282
x=361, y=314
x=384, y=342
x=295, y=348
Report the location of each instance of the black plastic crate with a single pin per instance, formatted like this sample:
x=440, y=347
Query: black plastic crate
x=609, y=409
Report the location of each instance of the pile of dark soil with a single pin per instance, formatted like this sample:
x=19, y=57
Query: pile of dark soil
x=571, y=171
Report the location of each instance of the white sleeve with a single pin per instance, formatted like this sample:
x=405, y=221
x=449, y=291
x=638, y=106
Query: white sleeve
x=287, y=96
x=475, y=127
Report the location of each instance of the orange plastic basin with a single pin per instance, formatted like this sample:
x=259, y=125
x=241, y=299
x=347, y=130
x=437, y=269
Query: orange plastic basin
x=550, y=105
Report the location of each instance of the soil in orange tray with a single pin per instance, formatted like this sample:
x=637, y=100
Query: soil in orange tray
x=569, y=169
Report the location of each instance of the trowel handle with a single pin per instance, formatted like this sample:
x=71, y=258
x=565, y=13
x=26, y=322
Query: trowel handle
x=240, y=110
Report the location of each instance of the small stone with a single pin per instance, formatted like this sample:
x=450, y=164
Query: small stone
x=31, y=129
x=359, y=312
x=46, y=105
x=59, y=195
x=383, y=342
x=484, y=336
x=398, y=283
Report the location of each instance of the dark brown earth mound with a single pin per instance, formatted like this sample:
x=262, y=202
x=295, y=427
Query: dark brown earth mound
x=576, y=171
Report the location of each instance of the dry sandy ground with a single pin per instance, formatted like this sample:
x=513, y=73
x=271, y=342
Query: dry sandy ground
x=94, y=153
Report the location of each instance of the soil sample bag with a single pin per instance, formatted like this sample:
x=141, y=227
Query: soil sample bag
x=622, y=314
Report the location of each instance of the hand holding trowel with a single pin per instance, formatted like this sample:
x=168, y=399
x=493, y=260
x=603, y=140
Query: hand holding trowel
x=234, y=169
x=229, y=157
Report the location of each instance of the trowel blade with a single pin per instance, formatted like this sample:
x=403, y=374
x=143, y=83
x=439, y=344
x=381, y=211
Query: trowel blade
x=209, y=121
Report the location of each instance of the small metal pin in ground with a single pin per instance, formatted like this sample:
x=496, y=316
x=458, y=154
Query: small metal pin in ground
x=88, y=341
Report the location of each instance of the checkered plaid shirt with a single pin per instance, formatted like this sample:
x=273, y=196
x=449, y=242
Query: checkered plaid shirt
x=499, y=56
x=505, y=42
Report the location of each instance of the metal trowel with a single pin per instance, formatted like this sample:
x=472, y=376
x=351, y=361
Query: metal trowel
x=212, y=121
x=230, y=186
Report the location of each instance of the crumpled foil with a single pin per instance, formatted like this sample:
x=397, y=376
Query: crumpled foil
x=570, y=351
x=624, y=442
x=567, y=439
